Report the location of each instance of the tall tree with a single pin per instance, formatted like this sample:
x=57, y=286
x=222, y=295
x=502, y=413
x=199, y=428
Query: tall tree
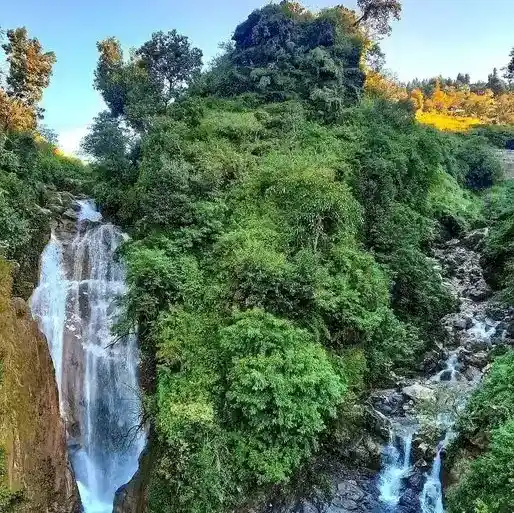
x=377, y=14
x=29, y=67
x=109, y=78
x=495, y=83
x=509, y=70
x=171, y=63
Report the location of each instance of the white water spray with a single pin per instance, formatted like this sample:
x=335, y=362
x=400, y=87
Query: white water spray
x=397, y=465
x=431, y=499
x=76, y=305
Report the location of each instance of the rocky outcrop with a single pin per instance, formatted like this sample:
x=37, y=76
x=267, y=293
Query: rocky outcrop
x=132, y=497
x=32, y=432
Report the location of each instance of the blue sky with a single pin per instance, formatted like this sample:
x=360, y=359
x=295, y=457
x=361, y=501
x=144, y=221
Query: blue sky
x=434, y=37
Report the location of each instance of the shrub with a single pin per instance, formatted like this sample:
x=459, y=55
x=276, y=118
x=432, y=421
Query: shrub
x=281, y=388
x=487, y=486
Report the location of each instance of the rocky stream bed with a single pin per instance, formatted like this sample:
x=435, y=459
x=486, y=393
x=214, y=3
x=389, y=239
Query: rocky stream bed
x=412, y=422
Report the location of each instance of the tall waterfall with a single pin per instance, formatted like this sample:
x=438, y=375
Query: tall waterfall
x=76, y=305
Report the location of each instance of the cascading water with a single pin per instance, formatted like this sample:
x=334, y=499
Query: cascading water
x=76, y=305
x=406, y=486
x=397, y=464
x=432, y=495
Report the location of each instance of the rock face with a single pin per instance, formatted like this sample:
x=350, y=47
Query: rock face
x=132, y=497
x=32, y=431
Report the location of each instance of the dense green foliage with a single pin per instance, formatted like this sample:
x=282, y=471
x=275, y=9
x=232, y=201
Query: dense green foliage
x=499, y=251
x=500, y=136
x=284, y=52
x=489, y=414
x=29, y=169
x=279, y=260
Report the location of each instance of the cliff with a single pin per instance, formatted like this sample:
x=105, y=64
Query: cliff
x=31, y=432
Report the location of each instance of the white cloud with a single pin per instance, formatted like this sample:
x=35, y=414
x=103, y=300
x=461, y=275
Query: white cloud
x=69, y=140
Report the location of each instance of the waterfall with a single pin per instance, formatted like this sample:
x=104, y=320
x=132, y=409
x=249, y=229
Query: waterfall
x=396, y=466
x=76, y=304
x=432, y=495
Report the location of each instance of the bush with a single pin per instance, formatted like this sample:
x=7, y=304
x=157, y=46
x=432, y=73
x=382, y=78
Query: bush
x=482, y=167
x=281, y=388
x=500, y=136
x=487, y=486
x=492, y=404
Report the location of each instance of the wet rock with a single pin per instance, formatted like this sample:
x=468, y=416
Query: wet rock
x=477, y=344
x=36, y=458
x=475, y=239
x=71, y=214
x=305, y=507
x=423, y=450
x=479, y=359
x=495, y=311
x=479, y=291
x=463, y=322
x=345, y=504
x=415, y=480
x=377, y=422
x=367, y=453
x=472, y=373
x=132, y=497
x=350, y=490
x=509, y=329
x=418, y=392
x=387, y=402
x=409, y=501
x=431, y=362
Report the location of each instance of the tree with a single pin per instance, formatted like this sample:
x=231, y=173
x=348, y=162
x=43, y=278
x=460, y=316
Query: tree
x=509, y=70
x=29, y=67
x=376, y=15
x=281, y=389
x=495, y=83
x=171, y=63
x=463, y=78
x=14, y=114
x=108, y=75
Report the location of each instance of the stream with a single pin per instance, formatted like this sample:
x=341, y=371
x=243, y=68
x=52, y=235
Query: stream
x=395, y=462
x=426, y=409
x=76, y=305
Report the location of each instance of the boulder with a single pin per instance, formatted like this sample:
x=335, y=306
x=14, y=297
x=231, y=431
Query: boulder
x=409, y=501
x=349, y=490
x=479, y=291
x=474, y=240
x=431, y=362
x=377, y=423
x=496, y=311
x=418, y=392
x=387, y=402
x=463, y=322
x=472, y=373
x=69, y=213
x=479, y=359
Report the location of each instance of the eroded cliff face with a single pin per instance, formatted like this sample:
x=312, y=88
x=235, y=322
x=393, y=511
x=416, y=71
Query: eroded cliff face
x=31, y=431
